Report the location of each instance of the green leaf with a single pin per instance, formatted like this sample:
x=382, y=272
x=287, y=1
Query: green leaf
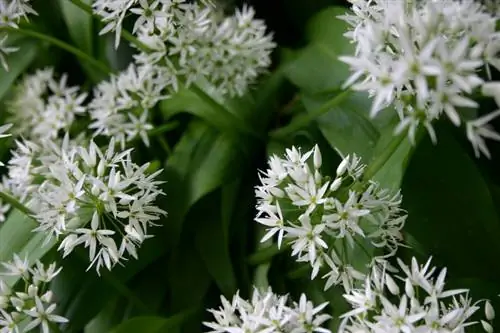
x=209, y=239
x=18, y=62
x=15, y=233
x=201, y=161
x=226, y=115
x=317, y=67
x=450, y=209
x=345, y=127
x=79, y=24
x=153, y=324
x=80, y=28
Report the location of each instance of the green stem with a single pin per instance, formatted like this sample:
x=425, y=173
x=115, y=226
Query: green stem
x=59, y=43
x=163, y=128
x=380, y=161
x=306, y=118
x=17, y=204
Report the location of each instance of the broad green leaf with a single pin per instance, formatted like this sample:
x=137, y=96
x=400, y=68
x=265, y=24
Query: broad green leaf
x=79, y=24
x=80, y=28
x=450, y=209
x=152, y=324
x=209, y=239
x=345, y=127
x=390, y=175
x=226, y=115
x=201, y=161
x=15, y=233
x=18, y=62
x=317, y=67
x=189, y=279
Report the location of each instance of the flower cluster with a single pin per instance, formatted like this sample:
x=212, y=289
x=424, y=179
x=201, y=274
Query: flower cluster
x=422, y=304
x=11, y=12
x=43, y=107
x=179, y=42
x=267, y=312
x=31, y=305
x=316, y=214
x=424, y=58
x=69, y=185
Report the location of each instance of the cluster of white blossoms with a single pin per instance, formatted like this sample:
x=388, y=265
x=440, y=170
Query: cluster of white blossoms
x=323, y=218
x=11, y=12
x=44, y=107
x=424, y=58
x=30, y=303
x=420, y=303
x=267, y=312
x=182, y=42
x=70, y=185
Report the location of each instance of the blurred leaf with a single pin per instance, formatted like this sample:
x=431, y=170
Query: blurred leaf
x=80, y=28
x=189, y=279
x=79, y=24
x=226, y=115
x=317, y=68
x=18, y=62
x=210, y=241
x=15, y=233
x=345, y=127
x=152, y=324
x=201, y=161
x=392, y=172
x=450, y=210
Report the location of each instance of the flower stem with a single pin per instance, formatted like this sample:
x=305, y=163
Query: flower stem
x=306, y=118
x=17, y=204
x=380, y=161
x=59, y=43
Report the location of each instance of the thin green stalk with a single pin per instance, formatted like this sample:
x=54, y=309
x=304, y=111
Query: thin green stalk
x=59, y=43
x=17, y=204
x=380, y=161
x=307, y=118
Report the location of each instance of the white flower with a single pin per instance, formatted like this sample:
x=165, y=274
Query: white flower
x=267, y=312
x=424, y=58
x=28, y=302
x=43, y=107
x=424, y=307
x=310, y=212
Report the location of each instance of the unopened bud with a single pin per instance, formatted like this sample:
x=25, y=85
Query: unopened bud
x=342, y=166
x=317, y=157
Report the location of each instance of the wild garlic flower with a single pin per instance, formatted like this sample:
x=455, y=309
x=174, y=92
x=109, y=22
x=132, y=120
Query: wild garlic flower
x=11, y=12
x=188, y=41
x=323, y=218
x=195, y=42
x=267, y=312
x=30, y=303
x=120, y=106
x=85, y=196
x=424, y=57
x=43, y=107
x=418, y=303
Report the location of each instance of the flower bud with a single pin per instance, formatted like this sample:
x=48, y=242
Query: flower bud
x=489, y=311
x=342, y=167
x=317, y=157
